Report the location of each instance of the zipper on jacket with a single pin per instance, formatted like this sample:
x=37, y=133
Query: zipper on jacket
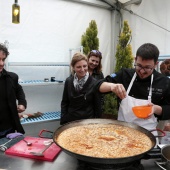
x=85, y=96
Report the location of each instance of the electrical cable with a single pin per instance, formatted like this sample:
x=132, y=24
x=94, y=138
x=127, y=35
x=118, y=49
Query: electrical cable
x=131, y=12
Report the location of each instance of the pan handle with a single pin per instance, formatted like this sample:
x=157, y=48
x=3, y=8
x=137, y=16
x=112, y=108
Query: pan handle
x=163, y=133
x=45, y=134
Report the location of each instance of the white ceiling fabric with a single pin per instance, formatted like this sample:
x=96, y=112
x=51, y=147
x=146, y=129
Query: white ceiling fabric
x=49, y=28
x=156, y=11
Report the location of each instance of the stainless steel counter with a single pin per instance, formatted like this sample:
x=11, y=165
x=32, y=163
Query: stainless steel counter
x=62, y=162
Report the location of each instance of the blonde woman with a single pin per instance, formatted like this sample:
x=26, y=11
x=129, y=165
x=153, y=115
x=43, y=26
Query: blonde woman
x=80, y=100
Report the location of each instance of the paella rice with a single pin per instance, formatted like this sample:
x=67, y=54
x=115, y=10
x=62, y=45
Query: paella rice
x=106, y=141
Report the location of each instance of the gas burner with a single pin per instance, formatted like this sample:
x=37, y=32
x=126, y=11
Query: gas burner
x=135, y=165
x=161, y=164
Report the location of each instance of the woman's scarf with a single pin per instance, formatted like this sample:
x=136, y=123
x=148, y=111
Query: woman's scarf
x=78, y=84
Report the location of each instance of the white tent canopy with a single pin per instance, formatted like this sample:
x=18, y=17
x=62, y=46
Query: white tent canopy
x=150, y=23
x=50, y=28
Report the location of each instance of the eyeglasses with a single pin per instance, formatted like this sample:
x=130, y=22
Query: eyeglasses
x=146, y=69
x=96, y=52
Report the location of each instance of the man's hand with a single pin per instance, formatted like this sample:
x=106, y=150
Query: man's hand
x=20, y=108
x=119, y=90
x=156, y=109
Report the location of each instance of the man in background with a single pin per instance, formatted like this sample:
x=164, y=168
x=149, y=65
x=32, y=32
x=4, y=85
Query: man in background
x=11, y=94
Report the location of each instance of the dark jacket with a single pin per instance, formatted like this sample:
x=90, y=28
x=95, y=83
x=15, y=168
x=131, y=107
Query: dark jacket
x=14, y=93
x=140, y=88
x=97, y=76
x=80, y=105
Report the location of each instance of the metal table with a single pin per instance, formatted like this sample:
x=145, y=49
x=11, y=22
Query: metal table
x=62, y=162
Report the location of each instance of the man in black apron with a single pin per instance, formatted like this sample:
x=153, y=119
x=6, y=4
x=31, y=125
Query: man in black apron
x=142, y=85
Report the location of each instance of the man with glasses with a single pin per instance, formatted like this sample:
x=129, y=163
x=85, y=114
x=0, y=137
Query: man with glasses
x=142, y=85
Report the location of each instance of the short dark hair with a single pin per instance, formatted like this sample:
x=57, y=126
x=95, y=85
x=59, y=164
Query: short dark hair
x=4, y=49
x=148, y=51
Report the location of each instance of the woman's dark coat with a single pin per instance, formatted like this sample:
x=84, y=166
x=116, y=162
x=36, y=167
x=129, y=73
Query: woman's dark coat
x=80, y=105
